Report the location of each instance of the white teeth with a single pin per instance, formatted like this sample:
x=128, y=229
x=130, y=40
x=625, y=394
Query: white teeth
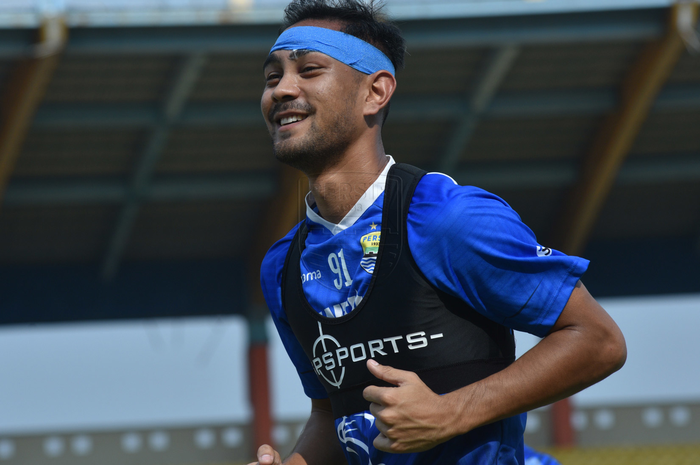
x=291, y=119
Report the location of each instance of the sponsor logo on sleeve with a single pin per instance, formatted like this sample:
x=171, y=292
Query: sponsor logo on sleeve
x=543, y=251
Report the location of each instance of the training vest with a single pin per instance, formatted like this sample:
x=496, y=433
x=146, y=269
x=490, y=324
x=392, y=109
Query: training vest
x=402, y=321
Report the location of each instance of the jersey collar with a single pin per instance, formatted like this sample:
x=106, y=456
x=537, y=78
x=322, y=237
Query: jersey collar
x=367, y=199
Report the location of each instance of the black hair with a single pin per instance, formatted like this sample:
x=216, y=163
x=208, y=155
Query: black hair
x=362, y=19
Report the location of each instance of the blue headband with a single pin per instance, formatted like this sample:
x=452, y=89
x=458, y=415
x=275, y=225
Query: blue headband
x=345, y=48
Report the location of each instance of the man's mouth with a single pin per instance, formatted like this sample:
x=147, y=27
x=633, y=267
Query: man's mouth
x=287, y=120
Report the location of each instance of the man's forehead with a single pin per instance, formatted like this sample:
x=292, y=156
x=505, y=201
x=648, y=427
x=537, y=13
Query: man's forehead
x=294, y=54
x=279, y=56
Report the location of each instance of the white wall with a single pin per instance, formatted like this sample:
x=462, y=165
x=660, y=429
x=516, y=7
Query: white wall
x=109, y=375
x=663, y=363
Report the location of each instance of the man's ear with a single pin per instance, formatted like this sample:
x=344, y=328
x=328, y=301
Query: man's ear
x=382, y=85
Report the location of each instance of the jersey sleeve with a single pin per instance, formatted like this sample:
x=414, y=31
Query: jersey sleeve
x=471, y=244
x=270, y=280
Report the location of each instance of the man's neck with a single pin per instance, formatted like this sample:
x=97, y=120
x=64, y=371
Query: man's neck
x=337, y=190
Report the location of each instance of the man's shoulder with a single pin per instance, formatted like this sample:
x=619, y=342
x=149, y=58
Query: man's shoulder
x=443, y=212
x=438, y=191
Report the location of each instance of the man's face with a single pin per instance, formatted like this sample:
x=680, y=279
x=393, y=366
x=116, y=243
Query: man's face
x=311, y=107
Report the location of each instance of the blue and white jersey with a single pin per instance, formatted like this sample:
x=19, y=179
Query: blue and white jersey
x=338, y=261
x=466, y=242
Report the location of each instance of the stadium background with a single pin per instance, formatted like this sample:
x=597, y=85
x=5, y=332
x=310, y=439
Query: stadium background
x=139, y=193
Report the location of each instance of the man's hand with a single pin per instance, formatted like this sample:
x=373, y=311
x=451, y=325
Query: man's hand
x=317, y=445
x=410, y=417
x=267, y=456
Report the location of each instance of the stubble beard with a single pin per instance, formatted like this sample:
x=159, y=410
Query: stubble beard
x=320, y=148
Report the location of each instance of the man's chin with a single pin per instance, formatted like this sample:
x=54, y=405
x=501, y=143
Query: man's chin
x=290, y=154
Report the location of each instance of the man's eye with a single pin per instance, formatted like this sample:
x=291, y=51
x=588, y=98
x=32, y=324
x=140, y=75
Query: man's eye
x=272, y=77
x=309, y=69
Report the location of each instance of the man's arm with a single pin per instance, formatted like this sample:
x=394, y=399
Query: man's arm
x=317, y=445
x=583, y=347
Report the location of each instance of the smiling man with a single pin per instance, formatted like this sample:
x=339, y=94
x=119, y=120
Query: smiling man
x=397, y=296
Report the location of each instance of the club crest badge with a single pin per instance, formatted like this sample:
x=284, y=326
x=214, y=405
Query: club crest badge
x=370, y=249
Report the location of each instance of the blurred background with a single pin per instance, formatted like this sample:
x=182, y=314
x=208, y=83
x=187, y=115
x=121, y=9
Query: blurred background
x=138, y=193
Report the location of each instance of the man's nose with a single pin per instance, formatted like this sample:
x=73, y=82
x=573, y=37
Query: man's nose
x=286, y=89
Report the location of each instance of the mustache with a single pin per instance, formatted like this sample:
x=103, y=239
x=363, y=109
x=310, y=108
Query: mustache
x=288, y=106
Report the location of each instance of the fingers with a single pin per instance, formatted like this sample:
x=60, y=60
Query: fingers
x=267, y=456
x=375, y=395
x=375, y=408
x=383, y=443
x=390, y=374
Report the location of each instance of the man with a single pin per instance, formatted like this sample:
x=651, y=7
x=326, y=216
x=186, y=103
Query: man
x=397, y=296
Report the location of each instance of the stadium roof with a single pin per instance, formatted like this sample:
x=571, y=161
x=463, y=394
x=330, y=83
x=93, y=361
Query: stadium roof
x=96, y=13
x=146, y=186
